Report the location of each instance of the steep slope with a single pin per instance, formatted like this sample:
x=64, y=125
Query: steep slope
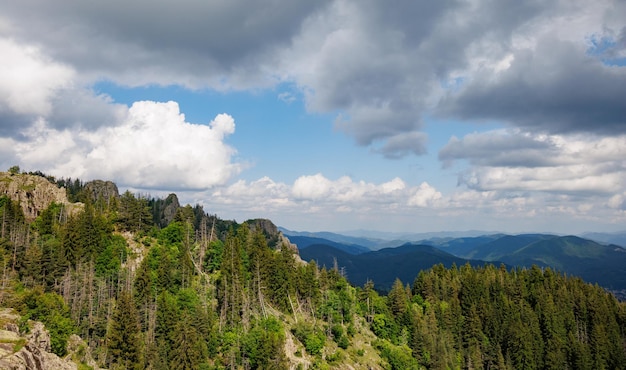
x=34, y=193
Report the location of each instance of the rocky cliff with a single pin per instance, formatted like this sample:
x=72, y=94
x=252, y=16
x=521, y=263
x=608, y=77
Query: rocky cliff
x=171, y=206
x=32, y=351
x=34, y=193
x=276, y=239
x=99, y=189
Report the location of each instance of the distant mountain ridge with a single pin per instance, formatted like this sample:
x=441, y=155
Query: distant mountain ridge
x=592, y=261
x=369, y=243
x=618, y=238
x=304, y=242
x=382, y=266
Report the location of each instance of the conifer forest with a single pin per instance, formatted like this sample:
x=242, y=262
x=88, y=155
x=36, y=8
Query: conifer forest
x=193, y=291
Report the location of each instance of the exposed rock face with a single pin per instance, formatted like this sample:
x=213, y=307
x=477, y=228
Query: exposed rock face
x=34, y=193
x=31, y=352
x=170, y=208
x=101, y=189
x=81, y=351
x=267, y=226
x=269, y=229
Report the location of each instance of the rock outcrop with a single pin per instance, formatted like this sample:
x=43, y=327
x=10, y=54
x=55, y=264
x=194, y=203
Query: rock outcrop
x=276, y=238
x=29, y=352
x=99, y=189
x=170, y=208
x=34, y=193
x=267, y=226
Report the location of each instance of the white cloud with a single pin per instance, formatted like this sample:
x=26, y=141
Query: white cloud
x=154, y=147
x=344, y=191
x=424, y=196
x=29, y=79
x=315, y=202
x=381, y=69
x=312, y=187
x=521, y=161
x=618, y=202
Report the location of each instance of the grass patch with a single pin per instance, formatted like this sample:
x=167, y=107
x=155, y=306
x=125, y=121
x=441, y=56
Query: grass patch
x=28, y=187
x=17, y=343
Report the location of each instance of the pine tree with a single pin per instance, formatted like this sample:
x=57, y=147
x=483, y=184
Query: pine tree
x=188, y=348
x=397, y=299
x=123, y=338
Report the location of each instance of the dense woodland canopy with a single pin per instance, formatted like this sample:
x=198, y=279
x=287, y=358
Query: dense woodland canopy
x=205, y=293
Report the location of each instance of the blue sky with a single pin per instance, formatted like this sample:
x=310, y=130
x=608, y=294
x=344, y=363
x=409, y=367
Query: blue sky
x=280, y=139
x=332, y=115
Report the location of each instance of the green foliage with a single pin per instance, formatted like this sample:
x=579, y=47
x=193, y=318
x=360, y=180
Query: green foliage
x=188, y=349
x=14, y=170
x=334, y=358
x=109, y=261
x=343, y=342
x=398, y=357
x=263, y=345
x=47, y=222
x=50, y=309
x=134, y=213
x=213, y=257
x=123, y=337
x=172, y=235
x=313, y=339
x=85, y=236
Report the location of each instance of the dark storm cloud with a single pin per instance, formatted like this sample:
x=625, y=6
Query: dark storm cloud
x=12, y=124
x=552, y=89
x=182, y=38
x=382, y=67
x=83, y=108
x=404, y=144
x=383, y=64
x=500, y=150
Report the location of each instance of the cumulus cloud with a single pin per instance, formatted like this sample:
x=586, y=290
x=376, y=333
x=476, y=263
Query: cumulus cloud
x=401, y=145
x=538, y=91
x=28, y=82
x=618, y=201
x=324, y=194
x=317, y=201
x=344, y=191
x=425, y=195
x=500, y=148
x=153, y=147
x=224, y=44
x=381, y=69
x=517, y=161
x=301, y=206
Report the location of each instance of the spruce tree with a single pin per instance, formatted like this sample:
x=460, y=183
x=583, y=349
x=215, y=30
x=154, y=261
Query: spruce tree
x=123, y=338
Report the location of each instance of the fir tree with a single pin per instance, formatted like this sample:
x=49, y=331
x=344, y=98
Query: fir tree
x=123, y=338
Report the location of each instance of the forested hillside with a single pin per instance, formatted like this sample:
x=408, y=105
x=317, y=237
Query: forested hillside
x=148, y=287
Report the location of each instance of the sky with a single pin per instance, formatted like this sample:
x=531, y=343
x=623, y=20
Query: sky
x=330, y=115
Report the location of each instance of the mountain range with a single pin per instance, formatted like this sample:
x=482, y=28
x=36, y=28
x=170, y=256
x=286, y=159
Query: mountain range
x=595, y=262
